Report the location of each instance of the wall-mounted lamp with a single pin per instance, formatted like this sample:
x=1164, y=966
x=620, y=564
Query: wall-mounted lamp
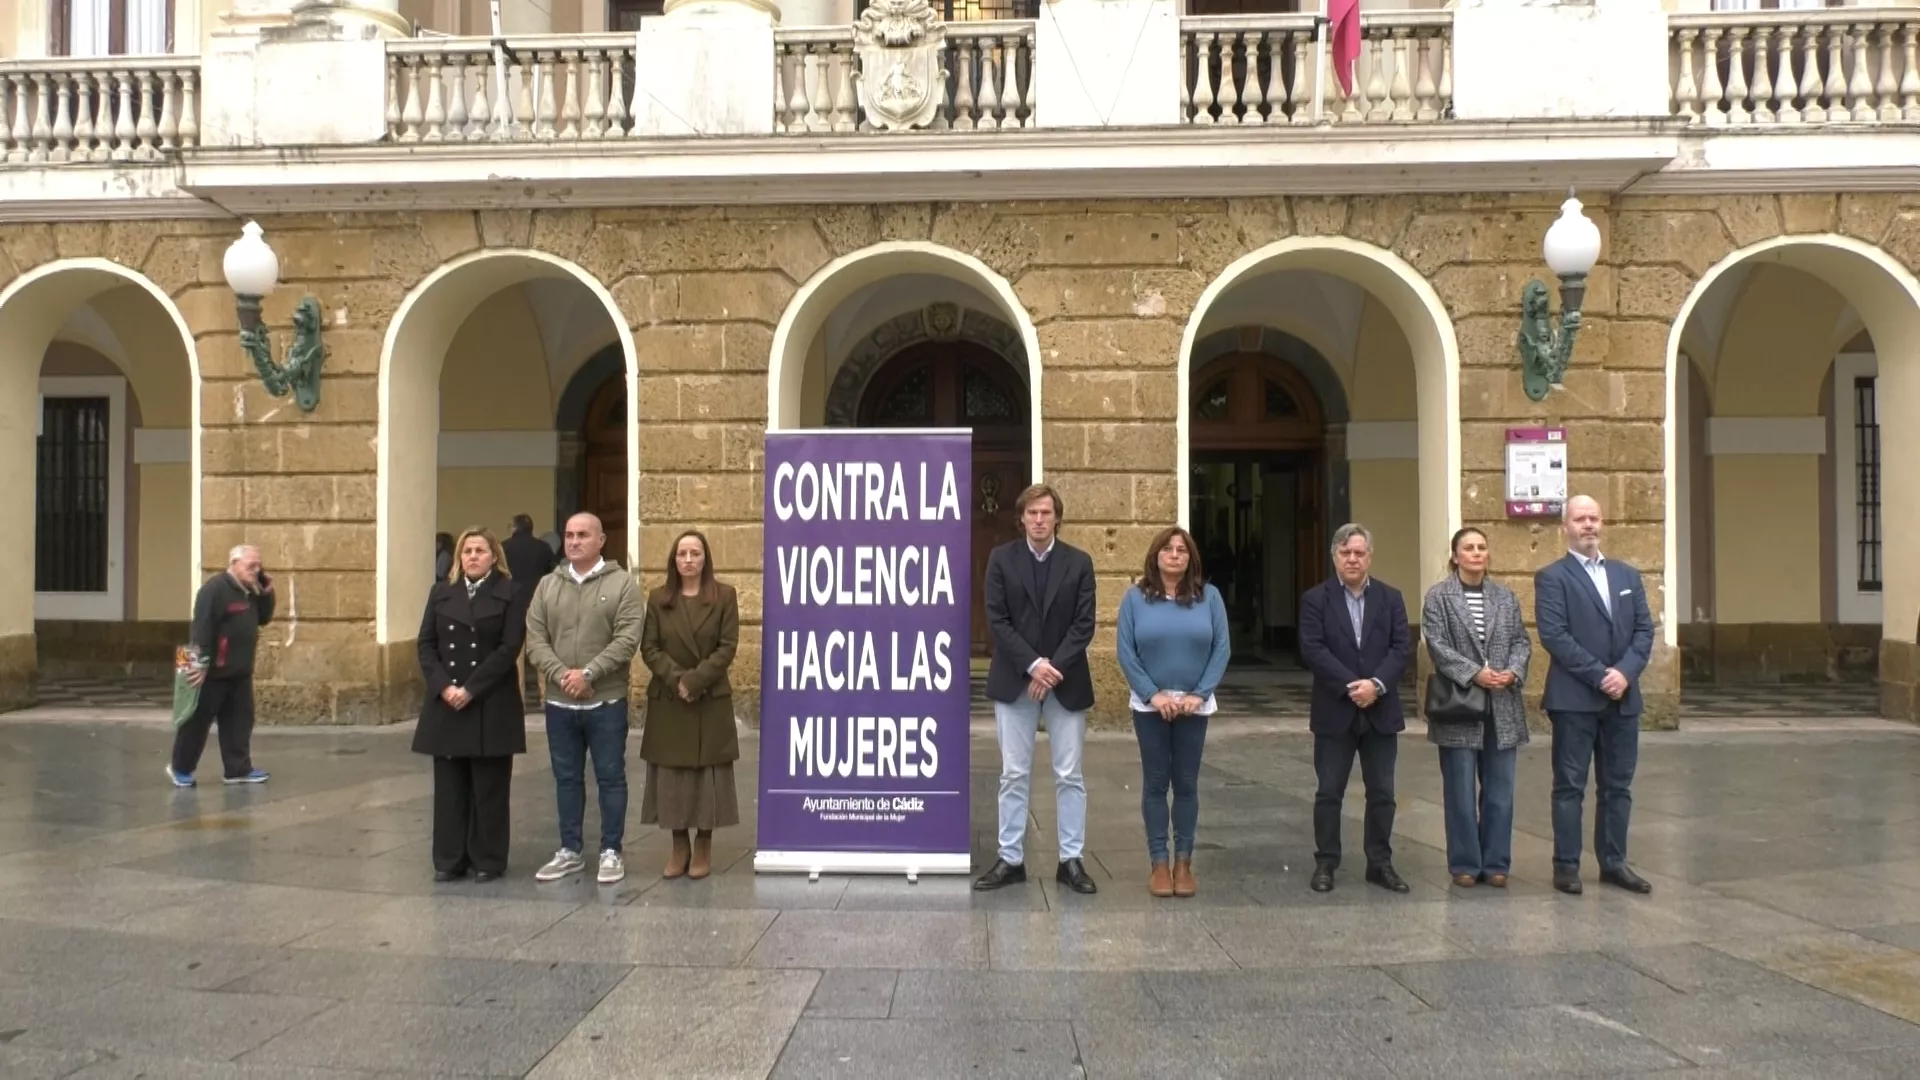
x=253, y=270
x=1572, y=247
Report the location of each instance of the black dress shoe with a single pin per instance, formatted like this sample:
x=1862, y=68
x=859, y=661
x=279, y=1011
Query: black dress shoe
x=1387, y=878
x=1001, y=875
x=1322, y=878
x=1628, y=880
x=448, y=875
x=484, y=876
x=1074, y=876
x=1567, y=881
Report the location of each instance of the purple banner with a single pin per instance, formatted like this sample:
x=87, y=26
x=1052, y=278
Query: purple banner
x=866, y=631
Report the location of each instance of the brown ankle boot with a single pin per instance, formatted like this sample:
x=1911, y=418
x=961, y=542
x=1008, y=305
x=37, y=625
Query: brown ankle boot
x=677, y=858
x=1160, y=883
x=702, y=863
x=1183, y=883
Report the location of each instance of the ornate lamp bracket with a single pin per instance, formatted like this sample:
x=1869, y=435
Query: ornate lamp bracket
x=1571, y=247
x=253, y=271
x=300, y=373
x=1546, y=350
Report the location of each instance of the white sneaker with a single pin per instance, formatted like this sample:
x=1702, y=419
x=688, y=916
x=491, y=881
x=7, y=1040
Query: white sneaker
x=564, y=862
x=611, y=868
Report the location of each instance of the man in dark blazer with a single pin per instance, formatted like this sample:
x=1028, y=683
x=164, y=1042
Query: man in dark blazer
x=528, y=560
x=1594, y=622
x=1354, y=638
x=1040, y=608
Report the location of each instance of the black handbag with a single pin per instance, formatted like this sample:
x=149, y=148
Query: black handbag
x=1449, y=701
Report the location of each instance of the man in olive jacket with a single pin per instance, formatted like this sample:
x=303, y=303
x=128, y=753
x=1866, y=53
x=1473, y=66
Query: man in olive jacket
x=583, y=626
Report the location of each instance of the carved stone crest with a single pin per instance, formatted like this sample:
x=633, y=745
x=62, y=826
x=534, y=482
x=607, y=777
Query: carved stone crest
x=942, y=321
x=901, y=44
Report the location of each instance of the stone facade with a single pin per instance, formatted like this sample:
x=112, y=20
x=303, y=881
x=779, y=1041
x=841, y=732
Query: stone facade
x=1108, y=285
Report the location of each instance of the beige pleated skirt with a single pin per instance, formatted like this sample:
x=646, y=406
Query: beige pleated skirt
x=698, y=798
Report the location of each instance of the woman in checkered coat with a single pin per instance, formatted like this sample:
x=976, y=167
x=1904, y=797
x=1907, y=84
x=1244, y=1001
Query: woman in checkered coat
x=1476, y=636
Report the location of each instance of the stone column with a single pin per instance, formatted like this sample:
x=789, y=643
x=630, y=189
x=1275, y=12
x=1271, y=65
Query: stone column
x=816, y=12
x=706, y=69
x=1107, y=63
x=255, y=77
x=1563, y=59
x=518, y=17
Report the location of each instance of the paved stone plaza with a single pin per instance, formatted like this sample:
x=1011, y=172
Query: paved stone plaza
x=293, y=931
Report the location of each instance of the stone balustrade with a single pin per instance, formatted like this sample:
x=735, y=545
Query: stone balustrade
x=1794, y=68
x=548, y=88
x=1258, y=69
x=65, y=110
x=989, y=85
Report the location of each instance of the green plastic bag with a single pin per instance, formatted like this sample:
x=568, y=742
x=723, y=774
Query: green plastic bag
x=186, y=696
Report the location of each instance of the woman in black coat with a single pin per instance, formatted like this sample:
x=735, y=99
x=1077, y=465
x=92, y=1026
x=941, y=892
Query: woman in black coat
x=473, y=721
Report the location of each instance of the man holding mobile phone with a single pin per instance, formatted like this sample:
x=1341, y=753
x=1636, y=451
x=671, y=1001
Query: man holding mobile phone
x=227, y=616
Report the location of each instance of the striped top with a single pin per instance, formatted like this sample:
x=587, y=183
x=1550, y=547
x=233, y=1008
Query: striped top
x=1476, y=597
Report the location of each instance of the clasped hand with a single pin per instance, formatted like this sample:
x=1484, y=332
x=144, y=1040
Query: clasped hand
x=1363, y=693
x=1614, y=684
x=456, y=697
x=576, y=684
x=1044, y=678
x=1494, y=680
x=1172, y=706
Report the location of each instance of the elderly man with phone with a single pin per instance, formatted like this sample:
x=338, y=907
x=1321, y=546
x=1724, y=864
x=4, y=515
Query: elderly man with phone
x=227, y=616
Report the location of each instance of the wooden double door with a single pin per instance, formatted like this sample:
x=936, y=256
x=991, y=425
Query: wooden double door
x=1258, y=491
x=962, y=385
x=604, y=491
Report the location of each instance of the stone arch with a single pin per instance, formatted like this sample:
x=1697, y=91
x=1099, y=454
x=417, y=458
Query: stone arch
x=33, y=307
x=936, y=322
x=840, y=279
x=1422, y=317
x=411, y=357
x=1886, y=295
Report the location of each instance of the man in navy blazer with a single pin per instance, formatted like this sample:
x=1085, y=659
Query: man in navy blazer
x=1354, y=638
x=1594, y=622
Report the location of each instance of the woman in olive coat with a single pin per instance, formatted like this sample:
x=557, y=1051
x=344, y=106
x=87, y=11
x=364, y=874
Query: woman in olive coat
x=473, y=720
x=692, y=630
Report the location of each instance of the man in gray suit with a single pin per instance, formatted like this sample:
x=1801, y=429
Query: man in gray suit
x=1594, y=622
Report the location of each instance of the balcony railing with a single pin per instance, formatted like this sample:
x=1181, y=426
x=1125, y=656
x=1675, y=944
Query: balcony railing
x=1795, y=68
x=1259, y=69
x=554, y=88
x=989, y=84
x=118, y=109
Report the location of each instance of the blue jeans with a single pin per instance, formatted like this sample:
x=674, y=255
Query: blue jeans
x=571, y=734
x=1477, y=788
x=1019, y=725
x=1170, y=752
x=1611, y=744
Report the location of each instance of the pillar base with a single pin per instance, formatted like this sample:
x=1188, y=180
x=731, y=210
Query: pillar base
x=19, y=672
x=1900, y=680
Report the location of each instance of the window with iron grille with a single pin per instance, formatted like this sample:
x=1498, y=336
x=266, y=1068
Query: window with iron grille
x=1866, y=457
x=71, y=488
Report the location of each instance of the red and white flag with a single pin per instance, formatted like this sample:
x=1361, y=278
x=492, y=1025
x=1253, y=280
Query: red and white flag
x=1343, y=32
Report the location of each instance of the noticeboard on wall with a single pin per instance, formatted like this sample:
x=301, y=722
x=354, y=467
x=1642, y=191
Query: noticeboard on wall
x=1536, y=472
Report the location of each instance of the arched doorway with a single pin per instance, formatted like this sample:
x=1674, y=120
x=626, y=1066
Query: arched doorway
x=961, y=384
x=604, y=490
x=466, y=396
x=1808, y=442
x=100, y=433
x=1257, y=493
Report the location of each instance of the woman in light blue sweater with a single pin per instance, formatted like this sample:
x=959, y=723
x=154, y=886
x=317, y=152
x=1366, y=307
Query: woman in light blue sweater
x=1174, y=649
